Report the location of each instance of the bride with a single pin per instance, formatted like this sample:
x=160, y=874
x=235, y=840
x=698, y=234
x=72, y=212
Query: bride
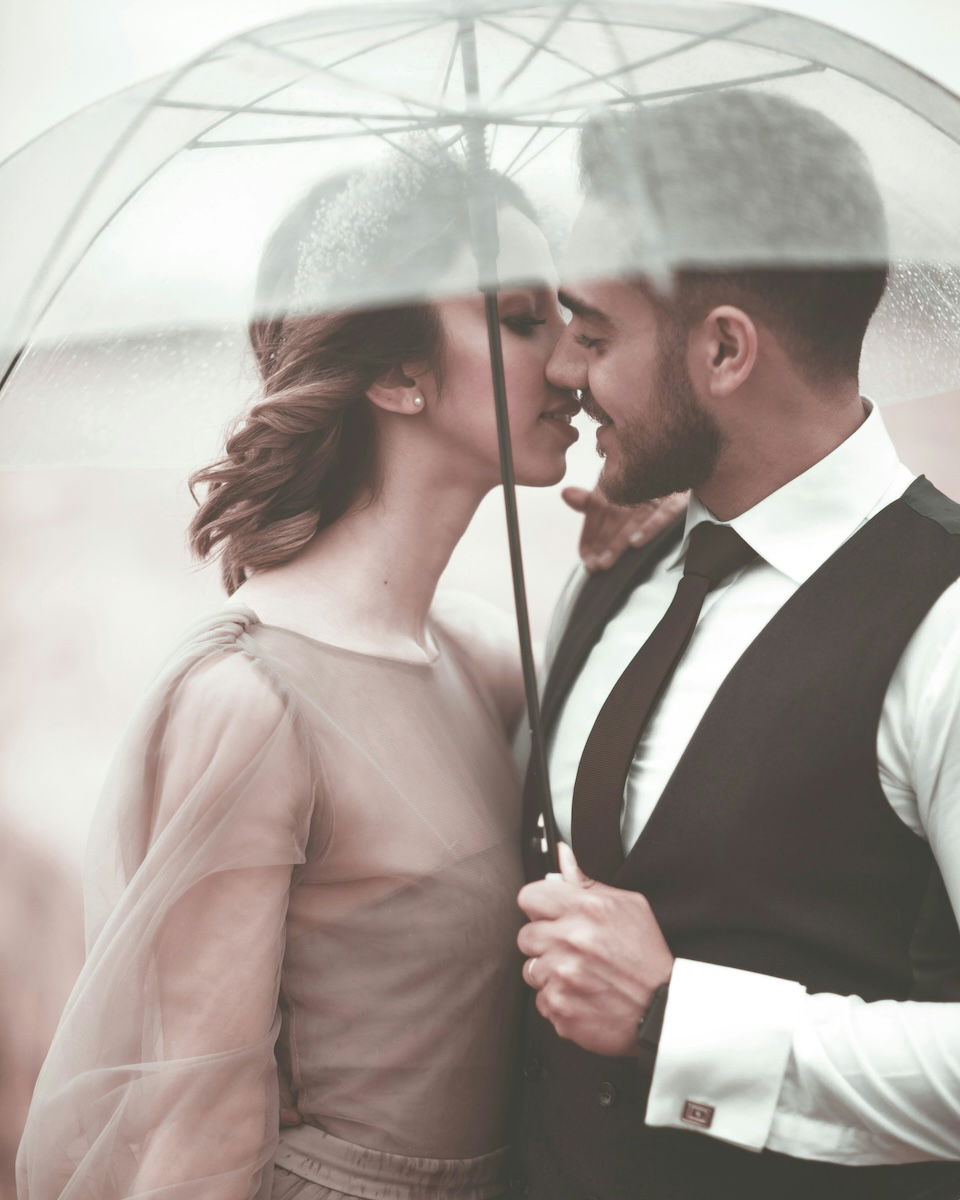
x=302, y=877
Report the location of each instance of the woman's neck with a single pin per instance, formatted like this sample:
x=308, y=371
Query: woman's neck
x=368, y=580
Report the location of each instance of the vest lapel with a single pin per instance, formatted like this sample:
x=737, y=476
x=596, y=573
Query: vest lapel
x=602, y=596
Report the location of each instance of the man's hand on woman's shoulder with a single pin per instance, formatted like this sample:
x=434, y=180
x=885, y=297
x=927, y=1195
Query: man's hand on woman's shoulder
x=610, y=529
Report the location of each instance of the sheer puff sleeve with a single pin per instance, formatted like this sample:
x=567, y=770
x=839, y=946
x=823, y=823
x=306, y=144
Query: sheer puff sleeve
x=161, y=1080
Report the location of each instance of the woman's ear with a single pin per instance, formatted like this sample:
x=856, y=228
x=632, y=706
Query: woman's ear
x=397, y=391
x=725, y=347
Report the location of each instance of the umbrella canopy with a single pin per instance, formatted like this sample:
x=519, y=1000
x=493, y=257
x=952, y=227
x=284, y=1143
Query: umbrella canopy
x=140, y=221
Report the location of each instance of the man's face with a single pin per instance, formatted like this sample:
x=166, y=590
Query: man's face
x=629, y=361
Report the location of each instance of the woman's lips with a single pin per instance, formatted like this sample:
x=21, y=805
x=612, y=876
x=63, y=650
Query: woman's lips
x=561, y=422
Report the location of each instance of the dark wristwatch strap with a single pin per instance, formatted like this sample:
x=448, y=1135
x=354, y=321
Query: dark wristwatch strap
x=651, y=1023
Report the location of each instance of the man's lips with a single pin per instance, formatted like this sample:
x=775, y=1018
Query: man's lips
x=593, y=409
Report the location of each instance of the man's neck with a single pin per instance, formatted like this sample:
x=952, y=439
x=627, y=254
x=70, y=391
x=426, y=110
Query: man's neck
x=760, y=459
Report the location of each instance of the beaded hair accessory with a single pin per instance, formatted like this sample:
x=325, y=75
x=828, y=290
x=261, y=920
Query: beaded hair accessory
x=364, y=242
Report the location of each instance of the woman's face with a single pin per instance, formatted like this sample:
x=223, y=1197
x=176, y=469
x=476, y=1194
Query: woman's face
x=459, y=408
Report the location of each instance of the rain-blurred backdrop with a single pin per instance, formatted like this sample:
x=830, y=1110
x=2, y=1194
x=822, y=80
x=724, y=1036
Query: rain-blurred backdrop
x=97, y=582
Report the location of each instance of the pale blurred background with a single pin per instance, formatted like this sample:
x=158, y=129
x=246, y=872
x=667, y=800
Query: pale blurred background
x=97, y=584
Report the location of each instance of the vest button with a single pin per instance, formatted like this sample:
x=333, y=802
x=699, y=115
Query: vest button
x=534, y=1070
x=606, y=1095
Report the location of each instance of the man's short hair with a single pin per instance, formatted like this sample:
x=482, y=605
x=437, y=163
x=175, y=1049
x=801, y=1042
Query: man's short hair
x=754, y=200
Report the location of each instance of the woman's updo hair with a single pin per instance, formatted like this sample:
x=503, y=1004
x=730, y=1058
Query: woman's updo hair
x=306, y=451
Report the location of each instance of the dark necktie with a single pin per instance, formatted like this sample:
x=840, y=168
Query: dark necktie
x=713, y=553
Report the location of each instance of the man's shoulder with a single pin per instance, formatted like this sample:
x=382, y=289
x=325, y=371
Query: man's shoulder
x=928, y=501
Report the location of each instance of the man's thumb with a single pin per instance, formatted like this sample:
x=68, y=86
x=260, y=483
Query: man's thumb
x=569, y=867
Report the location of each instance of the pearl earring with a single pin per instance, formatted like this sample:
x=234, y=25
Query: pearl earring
x=418, y=402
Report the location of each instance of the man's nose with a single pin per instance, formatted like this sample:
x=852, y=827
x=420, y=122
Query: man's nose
x=565, y=368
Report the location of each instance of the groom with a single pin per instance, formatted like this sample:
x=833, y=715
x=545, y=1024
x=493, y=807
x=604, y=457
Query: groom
x=748, y=985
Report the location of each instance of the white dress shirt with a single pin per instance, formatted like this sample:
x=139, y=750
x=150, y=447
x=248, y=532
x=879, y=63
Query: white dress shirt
x=817, y=1076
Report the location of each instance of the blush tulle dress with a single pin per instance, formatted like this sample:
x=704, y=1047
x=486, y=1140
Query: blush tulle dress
x=305, y=855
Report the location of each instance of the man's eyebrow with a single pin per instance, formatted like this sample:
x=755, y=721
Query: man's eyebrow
x=580, y=308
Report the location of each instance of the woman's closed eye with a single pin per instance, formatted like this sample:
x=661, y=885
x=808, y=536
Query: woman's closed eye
x=523, y=323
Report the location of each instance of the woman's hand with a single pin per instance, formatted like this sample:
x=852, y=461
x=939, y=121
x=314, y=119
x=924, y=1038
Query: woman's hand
x=609, y=529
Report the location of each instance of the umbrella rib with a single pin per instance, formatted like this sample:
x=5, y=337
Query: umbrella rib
x=384, y=136
x=688, y=90
x=540, y=150
x=694, y=88
x=453, y=140
x=664, y=26
x=536, y=45
x=523, y=149
x=493, y=141
x=331, y=33
x=662, y=55
x=451, y=64
x=613, y=43
x=440, y=122
x=291, y=139
x=318, y=69
x=558, y=54
x=390, y=41
x=246, y=110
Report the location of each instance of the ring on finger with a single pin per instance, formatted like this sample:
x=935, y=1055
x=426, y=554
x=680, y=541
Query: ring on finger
x=531, y=963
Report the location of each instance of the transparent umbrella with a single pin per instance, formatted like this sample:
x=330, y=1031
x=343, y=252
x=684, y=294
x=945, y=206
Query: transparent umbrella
x=141, y=220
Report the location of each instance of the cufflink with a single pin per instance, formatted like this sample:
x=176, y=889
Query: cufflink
x=698, y=1114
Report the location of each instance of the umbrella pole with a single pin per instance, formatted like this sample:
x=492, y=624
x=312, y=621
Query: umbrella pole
x=483, y=220
x=538, y=753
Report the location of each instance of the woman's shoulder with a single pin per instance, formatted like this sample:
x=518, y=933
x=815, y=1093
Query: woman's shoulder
x=217, y=670
x=487, y=637
x=221, y=718
x=220, y=631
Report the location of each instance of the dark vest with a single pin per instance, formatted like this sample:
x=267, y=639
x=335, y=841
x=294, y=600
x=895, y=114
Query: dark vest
x=772, y=849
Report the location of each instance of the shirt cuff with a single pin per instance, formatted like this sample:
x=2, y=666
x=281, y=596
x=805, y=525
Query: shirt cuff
x=726, y=1038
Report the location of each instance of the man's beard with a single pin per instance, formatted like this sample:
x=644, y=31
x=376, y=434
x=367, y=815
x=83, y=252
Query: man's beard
x=676, y=448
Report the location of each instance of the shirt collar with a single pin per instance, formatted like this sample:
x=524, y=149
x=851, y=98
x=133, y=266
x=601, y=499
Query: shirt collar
x=797, y=528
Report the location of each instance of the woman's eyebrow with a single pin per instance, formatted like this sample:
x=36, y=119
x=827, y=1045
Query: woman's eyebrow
x=533, y=291
x=580, y=308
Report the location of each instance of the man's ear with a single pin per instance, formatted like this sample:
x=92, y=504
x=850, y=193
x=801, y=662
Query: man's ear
x=398, y=391
x=724, y=349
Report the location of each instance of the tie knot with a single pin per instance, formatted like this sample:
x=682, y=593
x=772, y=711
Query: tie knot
x=715, y=551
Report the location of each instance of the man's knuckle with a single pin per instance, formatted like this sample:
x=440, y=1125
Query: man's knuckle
x=560, y=1007
x=642, y=903
x=596, y=903
x=580, y=937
